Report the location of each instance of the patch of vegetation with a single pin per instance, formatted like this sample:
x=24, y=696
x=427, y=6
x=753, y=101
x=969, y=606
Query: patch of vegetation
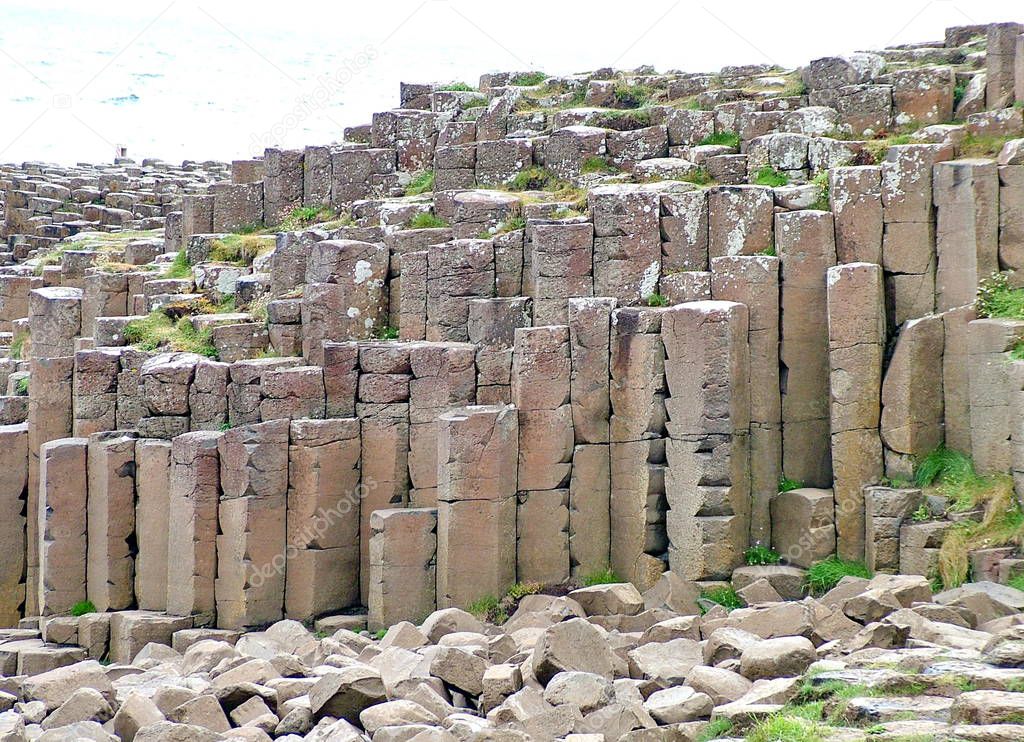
x=426, y=220
x=637, y=118
x=632, y=96
x=824, y=575
x=1002, y=524
x=824, y=202
x=793, y=89
x=786, y=484
x=380, y=634
x=567, y=214
x=760, y=555
x=527, y=79
x=958, y=93
x=770, y=252
x=542, y=179
x=1017, y=582
x=656, y=300
x=457, y=87
x=158, y=331
x=723, y=596
x=301, y=217
x=180, y=267
x=983, y=145
x=422, y=182
x=477, y=101
x=789, y=728
x=387, y=332
x=604, y=576
x=509, y=225
x=495, y=610
x=700, y=176
x=22, y=386
x=18, y=345
x=597, y=164
x=722, y=138
x=715, y=729
x=83, y=607
x=769, y=176
x=1017, y=351
x=922, y=514
x=239, y=249
x=996, y=298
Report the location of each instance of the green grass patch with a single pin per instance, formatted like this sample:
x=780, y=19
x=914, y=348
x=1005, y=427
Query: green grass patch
x=83, y=607
x=541, y=179
x=157, y=331
x=239, y=249
x=823, y=202
x=22, y=386
x=769, y=252
x=922, y=514
x=723, y=138
x=824, y=575
x=656, y=300
x=1017, y=582
x=604, y=576
x=426, y=220
x=700, y=176
x=723, y=596
x=497, y=610
x=760, y=555
x=786, y=484
x=632, y=96
x=998, y=299
x=527, y=79
x=422, y=182
x=17, y=350
x=477, y=101
x=983, y=145
x=457, y=87
x=386, y=333
x=779, y=727
x=179, y=267
x=769, y=176
x=715, y=729
x=597, y=164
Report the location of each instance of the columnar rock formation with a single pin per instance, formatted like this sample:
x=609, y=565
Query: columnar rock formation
x=532, y=333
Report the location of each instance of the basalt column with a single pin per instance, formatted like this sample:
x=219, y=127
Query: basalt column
x=637, y=535
x=61, y=524
x=323, y=517
x=590, y=483
x=707, y=479
x=754, y=281
x=806, y=245
x=55, y=320
x=856, y=328
x=252, y=513
x=478, y=455
x=541, y=372
x=192, y=525
x=13, y=500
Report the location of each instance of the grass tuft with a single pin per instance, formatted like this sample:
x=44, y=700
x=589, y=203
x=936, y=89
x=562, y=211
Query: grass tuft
x=597, y=164
x=527, y=79
x=824, y=202
x=21, y=388
x=786, y=484
x=457, y=87
x=18, y=345
x=83, y=607
x=781, y=728
x=656, y=300
x=157, y=331
x=421, y=183
x=769, y=176
x=180, y=267
x=387, y=332
x=760, y=555
x=239, y=249
x=824, y=575
x=723, y=596
x=996, y=298
x=604, y=576
x=723, y=138
x=426, y=220
x=632, y=96
x=715, y=729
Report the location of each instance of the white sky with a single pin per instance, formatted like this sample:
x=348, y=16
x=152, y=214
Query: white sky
x=219, y=78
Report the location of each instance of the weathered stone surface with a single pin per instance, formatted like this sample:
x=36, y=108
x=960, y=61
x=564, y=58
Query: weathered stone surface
x=403, y=546
x=62, y=525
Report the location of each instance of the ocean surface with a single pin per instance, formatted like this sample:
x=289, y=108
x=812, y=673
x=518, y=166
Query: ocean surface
x=222, y=80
